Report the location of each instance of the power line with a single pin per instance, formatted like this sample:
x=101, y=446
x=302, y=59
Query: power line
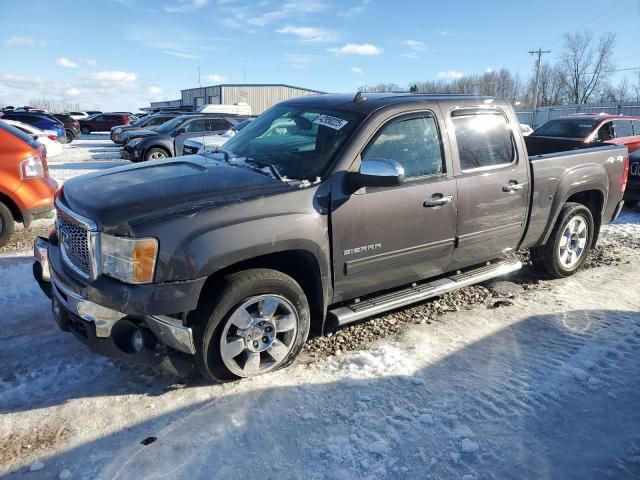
x=539, y=53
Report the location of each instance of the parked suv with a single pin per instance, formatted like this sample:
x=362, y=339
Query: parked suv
x=43, y=121
x=324, y=210
x=617, y=129
x=71, y=126
x=147, y=122
x=26, y=190
x=103, y=122
x=167, y=139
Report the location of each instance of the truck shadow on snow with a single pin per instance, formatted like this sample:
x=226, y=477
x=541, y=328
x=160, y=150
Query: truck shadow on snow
x=552, y=396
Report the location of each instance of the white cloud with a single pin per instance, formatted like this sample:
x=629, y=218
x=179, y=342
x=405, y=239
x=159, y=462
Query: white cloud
x=357, y=49
x=65, y=62
x=261, y=14
x=185, y=6
x=115, y=79
x=16, y=40
x=154, y=91
x=214, y=77
x=90, y=61
x=309, y=34
x=353, y=11
x=74, y=92
x=416, y=45
x=173, y=53
x=450, y=74
x=445, y=33
x=357, y=71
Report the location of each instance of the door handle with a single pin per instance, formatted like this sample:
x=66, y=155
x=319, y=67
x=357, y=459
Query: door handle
x=438, y=200
x=513, y=186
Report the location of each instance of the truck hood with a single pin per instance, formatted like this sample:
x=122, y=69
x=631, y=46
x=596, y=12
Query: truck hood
x=136, y=193
x=140, y=132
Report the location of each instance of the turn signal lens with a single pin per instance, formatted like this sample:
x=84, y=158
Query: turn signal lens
x=131, y=260
x=144, y=260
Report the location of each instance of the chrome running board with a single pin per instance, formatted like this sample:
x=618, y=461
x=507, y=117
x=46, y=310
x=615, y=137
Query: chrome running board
x=419, y=292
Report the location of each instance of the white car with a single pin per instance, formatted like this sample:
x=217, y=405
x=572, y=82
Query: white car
x=211, y=142
x=48, y=138
x=78, y=115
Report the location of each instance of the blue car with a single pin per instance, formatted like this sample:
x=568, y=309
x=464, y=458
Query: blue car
x=43, y=121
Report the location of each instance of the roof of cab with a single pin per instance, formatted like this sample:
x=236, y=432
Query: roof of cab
x=373, y=101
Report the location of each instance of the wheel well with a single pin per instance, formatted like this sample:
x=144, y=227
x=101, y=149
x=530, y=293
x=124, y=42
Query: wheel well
x=159, y=147
x=593, y=200
x=300, y=265
x=15, y=211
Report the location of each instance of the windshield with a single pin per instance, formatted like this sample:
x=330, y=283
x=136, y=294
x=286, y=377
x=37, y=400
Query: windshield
x=567, y=128
x=170, y=125
x=299, y=143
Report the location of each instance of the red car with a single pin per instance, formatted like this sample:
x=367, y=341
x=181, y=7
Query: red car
x=103, y=122
x=593, y=127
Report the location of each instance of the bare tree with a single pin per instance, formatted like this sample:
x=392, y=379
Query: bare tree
x=55, y=105
x=585, y=64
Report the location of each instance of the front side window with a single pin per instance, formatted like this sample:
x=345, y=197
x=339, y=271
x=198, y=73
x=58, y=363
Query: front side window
x=300, y=142
x=413, y=143
x=636, y=127
x=170, y=125
x=195, y=126
x=622, y=128
x=484, y=140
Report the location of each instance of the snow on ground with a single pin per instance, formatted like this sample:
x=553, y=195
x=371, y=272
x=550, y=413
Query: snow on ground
x=546, y=388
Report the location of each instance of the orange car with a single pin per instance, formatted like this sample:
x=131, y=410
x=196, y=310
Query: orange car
x=26, y=190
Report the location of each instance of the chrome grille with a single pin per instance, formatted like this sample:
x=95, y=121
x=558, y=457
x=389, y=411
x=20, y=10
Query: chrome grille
x=75, y=245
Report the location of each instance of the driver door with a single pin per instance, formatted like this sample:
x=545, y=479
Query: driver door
x=389, y=236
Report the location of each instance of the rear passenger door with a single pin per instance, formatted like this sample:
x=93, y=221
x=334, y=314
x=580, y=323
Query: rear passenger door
x=389, y=236
x=493, y=184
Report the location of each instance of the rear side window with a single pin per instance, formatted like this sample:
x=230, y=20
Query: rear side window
x=414, y=143
x=622, y=128
x=216, y=124
x=484, y=139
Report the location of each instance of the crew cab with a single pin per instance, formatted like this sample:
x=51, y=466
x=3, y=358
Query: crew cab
x=594, y=127
x=167, y=139
x=324, y=210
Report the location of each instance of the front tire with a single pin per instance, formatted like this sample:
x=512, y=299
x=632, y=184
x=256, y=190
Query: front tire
x=70, y=136
x=155, y=154
x=257, y=323
x=85, y=130
x=569, y=243
x=6, y=224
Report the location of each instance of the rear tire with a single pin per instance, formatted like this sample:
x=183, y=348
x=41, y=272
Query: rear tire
x=263, y=303
x=70, y=136
x=569, y=243
x=7, y=224
x=85, y=130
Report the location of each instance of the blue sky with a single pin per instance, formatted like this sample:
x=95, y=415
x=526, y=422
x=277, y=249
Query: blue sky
x=120, y=54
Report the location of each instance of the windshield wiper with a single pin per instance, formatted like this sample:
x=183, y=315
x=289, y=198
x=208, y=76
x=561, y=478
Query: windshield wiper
x=256, y=165
x=261, y=164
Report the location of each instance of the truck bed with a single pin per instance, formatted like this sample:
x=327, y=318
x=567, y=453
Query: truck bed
x=560, y=165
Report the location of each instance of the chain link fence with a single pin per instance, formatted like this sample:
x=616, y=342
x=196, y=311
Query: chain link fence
x=544, y=114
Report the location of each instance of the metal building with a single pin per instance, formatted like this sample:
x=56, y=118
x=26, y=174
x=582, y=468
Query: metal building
x=259, y=96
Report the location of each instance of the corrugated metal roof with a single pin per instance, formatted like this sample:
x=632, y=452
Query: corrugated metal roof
x=254, y=85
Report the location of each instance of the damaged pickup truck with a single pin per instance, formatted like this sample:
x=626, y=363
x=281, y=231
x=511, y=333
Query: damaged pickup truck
x=324, y=210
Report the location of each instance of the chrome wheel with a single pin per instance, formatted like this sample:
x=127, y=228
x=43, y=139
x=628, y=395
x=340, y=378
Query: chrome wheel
x=258, y=335
x=157, y=155
x=573, y=242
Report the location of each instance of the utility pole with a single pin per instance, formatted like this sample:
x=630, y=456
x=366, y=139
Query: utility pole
x=539, y=53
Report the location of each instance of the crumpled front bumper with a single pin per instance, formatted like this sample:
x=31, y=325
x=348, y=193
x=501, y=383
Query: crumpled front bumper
x=98, y=325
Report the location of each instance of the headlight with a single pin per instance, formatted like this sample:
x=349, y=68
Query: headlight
x=134, y=142
x=117, y=130
x=132, y=260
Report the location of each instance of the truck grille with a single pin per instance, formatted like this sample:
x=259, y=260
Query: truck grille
x=75, y=245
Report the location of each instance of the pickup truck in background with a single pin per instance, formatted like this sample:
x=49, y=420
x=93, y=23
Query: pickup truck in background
x=325, y=210
x=594, y=128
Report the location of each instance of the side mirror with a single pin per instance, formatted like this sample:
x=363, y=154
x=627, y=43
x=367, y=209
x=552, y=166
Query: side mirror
x=179, y=131
x=378, y=173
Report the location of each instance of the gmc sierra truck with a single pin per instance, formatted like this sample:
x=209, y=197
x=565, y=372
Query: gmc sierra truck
x=324, y=210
